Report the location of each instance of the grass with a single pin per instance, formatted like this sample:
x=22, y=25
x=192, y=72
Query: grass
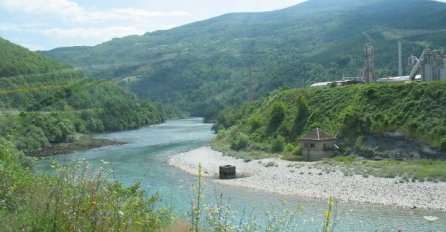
x=76, y=198
x=250, y=154
x=417, y=170
x=420, y=170
x=80, y=198
x=350, y=112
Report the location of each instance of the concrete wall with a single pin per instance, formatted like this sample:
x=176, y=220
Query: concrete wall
x=443, y=74
x=427, y=72
x=314, y=155
x=317, y=152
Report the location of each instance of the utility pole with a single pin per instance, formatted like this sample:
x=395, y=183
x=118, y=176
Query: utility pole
x=250, y=84
x=400, y=60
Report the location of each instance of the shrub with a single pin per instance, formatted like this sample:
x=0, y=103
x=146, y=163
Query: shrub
x=77, y=197
x=240, y=142
x=277, y=116
x=255, y=122
x=278, y=144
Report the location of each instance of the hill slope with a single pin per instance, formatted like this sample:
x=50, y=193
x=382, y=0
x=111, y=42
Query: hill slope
x=352, y=113
x=43, y=101
x=203, y=66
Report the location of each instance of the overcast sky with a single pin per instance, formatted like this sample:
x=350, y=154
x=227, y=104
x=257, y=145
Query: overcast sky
x=46, y=24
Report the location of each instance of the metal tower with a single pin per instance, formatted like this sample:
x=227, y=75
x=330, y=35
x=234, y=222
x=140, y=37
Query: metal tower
x=367, y=75
x=400, y=60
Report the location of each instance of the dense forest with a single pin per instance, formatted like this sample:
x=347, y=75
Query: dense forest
x=204, y=66
x=351, y=113
x=44, y=102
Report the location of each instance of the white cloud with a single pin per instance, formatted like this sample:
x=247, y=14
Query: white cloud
x=98, y=34
x=32, y=47
x=73, y=12
x=9, y=27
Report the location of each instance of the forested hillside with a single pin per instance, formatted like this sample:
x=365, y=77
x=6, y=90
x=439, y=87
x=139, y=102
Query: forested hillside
x=44, y=102
x=203, y=67
x=351, y=113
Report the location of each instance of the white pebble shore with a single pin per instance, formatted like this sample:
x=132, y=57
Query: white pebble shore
x=305, y=181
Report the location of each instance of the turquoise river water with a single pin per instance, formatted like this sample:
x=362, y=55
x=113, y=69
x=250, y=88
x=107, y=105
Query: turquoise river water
x=144, y=159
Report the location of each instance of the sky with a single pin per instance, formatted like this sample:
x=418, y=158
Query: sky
x=47, y=24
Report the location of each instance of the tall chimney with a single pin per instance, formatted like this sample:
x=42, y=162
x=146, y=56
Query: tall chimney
x=400, y=60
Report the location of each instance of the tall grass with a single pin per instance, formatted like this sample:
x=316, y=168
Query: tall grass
x=329, y=216
x=77, y=198
x=219, y=217
x=80, y=198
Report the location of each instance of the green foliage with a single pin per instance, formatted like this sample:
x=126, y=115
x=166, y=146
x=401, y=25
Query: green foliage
x=277, y=115
x=241, y=141
x=203, y=67
x=76, y=198
x=422, y=170
x=57, y=102
x=278, y=144
x=303, y=113
x=329, y=221
x=350, y=112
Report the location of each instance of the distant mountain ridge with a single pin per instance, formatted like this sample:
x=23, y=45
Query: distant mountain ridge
x=204, y=66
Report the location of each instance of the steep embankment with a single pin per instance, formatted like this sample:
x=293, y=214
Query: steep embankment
x=203, y=67
x=352, y=113
x=44, y=102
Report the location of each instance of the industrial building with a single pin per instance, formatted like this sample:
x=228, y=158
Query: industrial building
x=430, y=66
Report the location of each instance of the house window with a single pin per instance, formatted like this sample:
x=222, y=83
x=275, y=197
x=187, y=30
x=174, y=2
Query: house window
x=312, y=145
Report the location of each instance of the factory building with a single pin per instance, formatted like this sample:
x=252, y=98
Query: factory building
x=433, y=66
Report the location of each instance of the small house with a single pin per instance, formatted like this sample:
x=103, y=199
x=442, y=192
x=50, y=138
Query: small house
x=317, y=145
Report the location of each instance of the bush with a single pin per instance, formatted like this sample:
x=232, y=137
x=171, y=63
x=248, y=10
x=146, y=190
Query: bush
x=255, y=122
x=240, y=142
x=278, y=144
x=77, y=197
x=277, y=116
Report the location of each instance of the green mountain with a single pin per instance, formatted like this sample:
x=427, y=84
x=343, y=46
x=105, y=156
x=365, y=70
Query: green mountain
x=355, y=114
x=43, y=102
x=204, y=66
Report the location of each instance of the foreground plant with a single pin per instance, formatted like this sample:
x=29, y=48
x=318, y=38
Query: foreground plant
x=328, y=225
x=219, y=217
x=77, y=198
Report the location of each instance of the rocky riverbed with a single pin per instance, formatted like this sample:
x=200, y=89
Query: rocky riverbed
x=308, y=181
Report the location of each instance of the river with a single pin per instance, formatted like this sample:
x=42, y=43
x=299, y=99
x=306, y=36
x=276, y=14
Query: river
x=144, y=159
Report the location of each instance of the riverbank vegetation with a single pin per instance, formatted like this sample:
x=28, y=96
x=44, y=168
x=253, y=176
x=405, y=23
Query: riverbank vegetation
x=75, y=198
x=78, y=197
x=350, y=113
x=43, y=102
x=404, y=171
x=271, y=126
